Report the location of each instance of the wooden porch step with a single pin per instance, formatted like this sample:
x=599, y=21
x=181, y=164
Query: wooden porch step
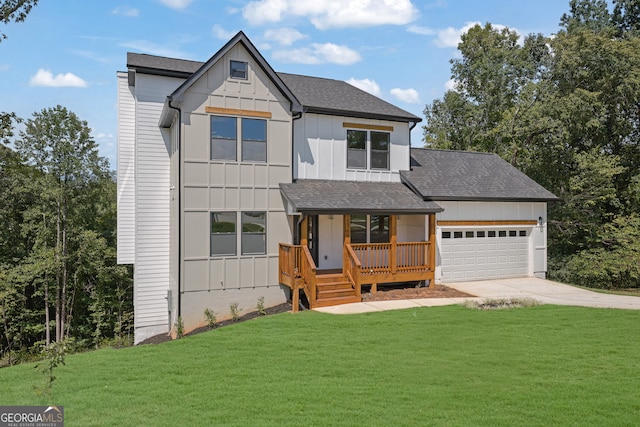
x=327, y=302
x=327, y=293
x=330, y=278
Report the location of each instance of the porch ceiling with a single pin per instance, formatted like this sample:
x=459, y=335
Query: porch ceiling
x=336, y=197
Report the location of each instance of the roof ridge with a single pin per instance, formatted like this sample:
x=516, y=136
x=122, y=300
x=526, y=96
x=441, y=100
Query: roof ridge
x=454, y=151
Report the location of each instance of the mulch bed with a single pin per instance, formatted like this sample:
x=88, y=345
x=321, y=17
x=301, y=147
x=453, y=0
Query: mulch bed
x=401, y=291
x=385, y=292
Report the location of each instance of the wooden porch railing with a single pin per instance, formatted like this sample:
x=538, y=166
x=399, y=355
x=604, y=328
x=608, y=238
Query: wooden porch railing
x=289, y=263
x=308, y=273
x=352, y=267
x=378, y=258
x=295, y=262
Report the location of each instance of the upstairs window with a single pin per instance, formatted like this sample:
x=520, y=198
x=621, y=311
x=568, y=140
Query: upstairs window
x=254, y=140
x=357, y=149
x=223, y=138
x=238, y=70
x=368, y=149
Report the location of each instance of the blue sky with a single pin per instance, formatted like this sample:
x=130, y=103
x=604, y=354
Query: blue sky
x=68, y=52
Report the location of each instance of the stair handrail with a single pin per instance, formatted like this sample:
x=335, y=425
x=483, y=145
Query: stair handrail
x=308, y=272
x=352, y=266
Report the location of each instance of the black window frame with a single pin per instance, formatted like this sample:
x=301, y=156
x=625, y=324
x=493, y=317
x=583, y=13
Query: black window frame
x=247, y=141
x=246, y=233
x=223, y=138
x=238, y=73
x=378, y=151
x=359, y=151
x=230, y=236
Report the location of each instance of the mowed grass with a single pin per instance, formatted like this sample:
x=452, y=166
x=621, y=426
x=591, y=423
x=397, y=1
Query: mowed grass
x=445, y=366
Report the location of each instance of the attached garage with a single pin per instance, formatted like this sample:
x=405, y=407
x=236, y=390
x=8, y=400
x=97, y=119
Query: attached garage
x=484, y=253
x=494, y=223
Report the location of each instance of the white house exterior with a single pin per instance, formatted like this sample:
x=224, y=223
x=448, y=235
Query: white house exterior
x=237, y=183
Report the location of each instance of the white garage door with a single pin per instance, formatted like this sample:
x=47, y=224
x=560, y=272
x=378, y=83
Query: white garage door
x=479, y=254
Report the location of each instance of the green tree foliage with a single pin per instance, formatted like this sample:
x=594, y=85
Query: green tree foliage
x=14, y=11
x=565, y=110
x=59, y=273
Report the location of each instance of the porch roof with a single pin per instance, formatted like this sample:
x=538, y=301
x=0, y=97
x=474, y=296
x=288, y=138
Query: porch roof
x=313, y=196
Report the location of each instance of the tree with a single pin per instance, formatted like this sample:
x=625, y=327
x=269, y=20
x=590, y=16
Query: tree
x=566, y=111
x=59, y=146
x=14, y=11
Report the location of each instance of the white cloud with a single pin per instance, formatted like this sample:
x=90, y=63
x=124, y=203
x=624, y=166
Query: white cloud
x=425, y=31
x=450, y=37
x=451, y=84
x=45, y=78
x=410, y=96
x=125, y=11
x=220, y=33
x=102, y=135
x=284, y=36
x=319, y=53
x=366, y=85
x=152, y=48
x=176, y=4
x=325, y=14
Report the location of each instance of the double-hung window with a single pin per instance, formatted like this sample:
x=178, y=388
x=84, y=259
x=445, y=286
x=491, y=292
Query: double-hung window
x=380, y=150
x=368, y=149
x=254, y=140
x=357, y=149
x=223, y=233
x=254, y=233
x=238, y=70
x=224, y=139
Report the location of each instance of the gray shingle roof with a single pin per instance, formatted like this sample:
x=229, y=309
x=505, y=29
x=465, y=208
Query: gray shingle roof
x=327, y=196
x=317, y=95
x=464, y=175
x=337, y=97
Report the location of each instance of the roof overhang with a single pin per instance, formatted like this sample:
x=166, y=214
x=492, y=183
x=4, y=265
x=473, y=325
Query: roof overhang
x=315, y=197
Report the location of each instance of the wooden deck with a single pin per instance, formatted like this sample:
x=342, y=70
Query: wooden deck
x=363, y=264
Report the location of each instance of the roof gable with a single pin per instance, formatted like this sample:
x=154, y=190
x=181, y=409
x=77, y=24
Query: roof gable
x=464, y=175
x=168, y=112
x=308, y=94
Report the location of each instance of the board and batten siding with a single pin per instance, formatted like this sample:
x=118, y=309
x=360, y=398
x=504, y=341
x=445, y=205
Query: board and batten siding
x=231, y=186
x=320, y=149
x=152, y=207
x=126, y=190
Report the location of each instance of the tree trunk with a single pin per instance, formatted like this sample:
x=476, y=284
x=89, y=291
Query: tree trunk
x=47, y=317
x=59, y=301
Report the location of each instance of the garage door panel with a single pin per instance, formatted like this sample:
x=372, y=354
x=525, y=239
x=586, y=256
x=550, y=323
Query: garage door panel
x=476, y=258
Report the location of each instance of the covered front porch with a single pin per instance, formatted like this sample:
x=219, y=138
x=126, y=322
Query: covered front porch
x=356, y=225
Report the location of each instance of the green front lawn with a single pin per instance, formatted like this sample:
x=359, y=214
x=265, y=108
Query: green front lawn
x=545, y=365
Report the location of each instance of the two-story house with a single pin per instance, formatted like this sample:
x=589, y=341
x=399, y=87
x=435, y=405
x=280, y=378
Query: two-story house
x=237, y=183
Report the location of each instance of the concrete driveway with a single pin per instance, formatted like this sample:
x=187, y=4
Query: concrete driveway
x=544, y=291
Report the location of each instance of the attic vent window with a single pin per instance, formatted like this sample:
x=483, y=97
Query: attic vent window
x=238, y=70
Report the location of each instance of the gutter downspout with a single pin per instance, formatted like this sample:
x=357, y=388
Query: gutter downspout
x=296, y=230
x=170, y=99
x=413, y=124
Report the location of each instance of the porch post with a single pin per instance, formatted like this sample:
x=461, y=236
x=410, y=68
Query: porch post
x=346, y=228
x=431, y=260
x=304, y=231
x=393, y=228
